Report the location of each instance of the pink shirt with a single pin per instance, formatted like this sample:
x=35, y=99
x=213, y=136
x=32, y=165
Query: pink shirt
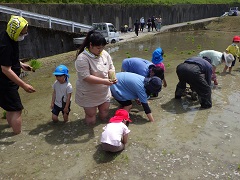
x=160, y=65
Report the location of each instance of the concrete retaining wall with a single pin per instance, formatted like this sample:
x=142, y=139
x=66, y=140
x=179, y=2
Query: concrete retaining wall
x=43, y=42
x=122, y=14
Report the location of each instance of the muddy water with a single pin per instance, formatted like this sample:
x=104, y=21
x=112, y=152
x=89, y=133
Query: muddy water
x=184, y=142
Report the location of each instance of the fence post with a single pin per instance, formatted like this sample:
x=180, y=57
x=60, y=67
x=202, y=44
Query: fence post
x=72, y=27
x=50, y=22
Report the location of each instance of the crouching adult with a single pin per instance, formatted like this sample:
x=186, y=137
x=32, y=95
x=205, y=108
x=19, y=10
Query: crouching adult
x=197, y=73
x=143, y=67
x=216, y=58
x=131, y=86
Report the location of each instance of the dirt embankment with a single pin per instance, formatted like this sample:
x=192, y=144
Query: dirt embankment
x=226, y=24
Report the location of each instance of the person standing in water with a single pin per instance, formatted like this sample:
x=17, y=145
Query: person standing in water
x=234, y=50
x=62, y=92
x=10, y=101
x=93, y=66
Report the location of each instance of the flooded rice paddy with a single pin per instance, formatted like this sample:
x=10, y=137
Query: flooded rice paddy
x=184, y=142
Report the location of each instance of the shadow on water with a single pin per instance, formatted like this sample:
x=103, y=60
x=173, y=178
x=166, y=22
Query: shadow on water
x=180, y=106
x=72, y=132
x=101, y=156
x=189, y=119
x=4, y=135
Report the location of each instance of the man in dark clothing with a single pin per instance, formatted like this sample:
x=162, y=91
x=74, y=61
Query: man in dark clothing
x=153, y=23
x=136, y=27
x=197, y=73
x=149, y=24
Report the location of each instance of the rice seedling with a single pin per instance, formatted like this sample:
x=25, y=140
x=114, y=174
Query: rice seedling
x=4, y=115
x=35, y=64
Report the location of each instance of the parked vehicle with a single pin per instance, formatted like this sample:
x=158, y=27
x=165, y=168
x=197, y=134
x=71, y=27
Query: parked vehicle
x=233, y=11
x=106, y=29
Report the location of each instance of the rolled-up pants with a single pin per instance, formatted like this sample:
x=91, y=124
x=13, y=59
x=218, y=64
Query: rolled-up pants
x=191, y=74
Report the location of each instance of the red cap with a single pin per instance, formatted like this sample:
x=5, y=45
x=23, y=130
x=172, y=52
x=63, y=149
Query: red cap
x=236, y=39
x=120, y=115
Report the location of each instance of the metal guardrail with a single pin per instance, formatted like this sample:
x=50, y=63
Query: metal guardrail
x=49, y=19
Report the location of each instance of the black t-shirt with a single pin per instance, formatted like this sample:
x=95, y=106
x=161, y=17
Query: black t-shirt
x=136, y=25
x=9, y=56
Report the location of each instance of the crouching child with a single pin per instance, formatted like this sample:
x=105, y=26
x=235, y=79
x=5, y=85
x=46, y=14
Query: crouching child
x=115, y=133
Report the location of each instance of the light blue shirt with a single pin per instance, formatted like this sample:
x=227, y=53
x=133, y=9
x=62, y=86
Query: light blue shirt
x=136, y=65
x=129, y=86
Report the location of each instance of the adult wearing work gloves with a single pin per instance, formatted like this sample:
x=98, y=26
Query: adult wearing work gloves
x=10, y=70
x=197, y=73
x=132, y=86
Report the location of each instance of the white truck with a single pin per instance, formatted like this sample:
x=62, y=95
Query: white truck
x=106, y=29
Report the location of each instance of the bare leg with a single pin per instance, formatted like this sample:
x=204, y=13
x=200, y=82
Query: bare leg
x=90, y=115
x=65, y=117
x=54, y=118
x=14, y=119
x=230, y=70
x=103, y=110
x=225, y=69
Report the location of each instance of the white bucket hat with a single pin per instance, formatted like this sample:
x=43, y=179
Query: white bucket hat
x=228, y=59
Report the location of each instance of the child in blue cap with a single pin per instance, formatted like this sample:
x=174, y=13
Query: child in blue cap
x=157, y=60
x=62, y=92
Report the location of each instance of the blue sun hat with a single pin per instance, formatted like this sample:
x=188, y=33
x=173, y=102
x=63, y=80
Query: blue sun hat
x=61, y=70
x=157, y=56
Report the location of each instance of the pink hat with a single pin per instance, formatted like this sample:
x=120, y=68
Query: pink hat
x=120, y=115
